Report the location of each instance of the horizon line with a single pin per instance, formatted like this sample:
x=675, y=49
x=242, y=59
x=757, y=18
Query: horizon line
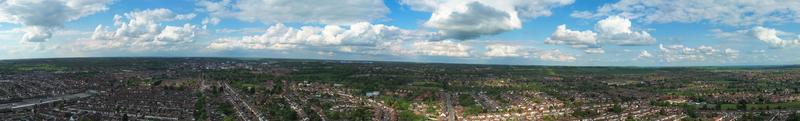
x=400, y=61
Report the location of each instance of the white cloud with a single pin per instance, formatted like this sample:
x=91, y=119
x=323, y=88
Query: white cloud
x=730, y=12
x=594, y=50
x=467, y=19
x=41, y=17
x=555, y=55
x=586, y=40
x=294, y=11
x=582, y=14
x=516, y=51
x=361, y=38
x=143, y=31
x=347, y=49
x=576, y=39
x=6, y=35
x=772, y=37
x=644, y=54
x=253, y=30
x=329, y=53
x=29, y=50
x=614, y=25
x=503, y=50
x=440, y=48
x=176, y=34
x=731, y=53
x=37, y=33
x=678, y=53
x=282, y=37
x=612, y=30
x=476, y=20
x=760, y=51
x=617, y=30
x=371, y=39
x=737, y=36
x=212, y=21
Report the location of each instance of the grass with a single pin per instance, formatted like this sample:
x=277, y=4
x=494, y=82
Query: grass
x=466, y=100
x=728, y=106
x=245, y=85
x=40, y=67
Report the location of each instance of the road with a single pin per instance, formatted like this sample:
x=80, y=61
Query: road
x=448, y=102
x=237, y=100
x=320, y=112
x=288, y=95
x=39, y=101
x=296, y=107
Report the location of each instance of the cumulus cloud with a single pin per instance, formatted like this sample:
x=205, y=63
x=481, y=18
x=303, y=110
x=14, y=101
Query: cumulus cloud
x=582, y=14
x=143, y=31
x=678, y=53
x=737, y=36
x=329, y=53
x=294, y=11
x=772, y=37
x=576, y=39
x=555, y=55
x=617, y=30
x=467, y=19
x=280, y=37
x=211, y=21
x=586, y=40
x=517, y=51
x=476, y=20
x=41, y=17
x=360, y=38
x=439, y=48
x=644, y=54
x=731, y=53
x=612, y=30
x=594, y=50
x=729, y=12
x=503, y=50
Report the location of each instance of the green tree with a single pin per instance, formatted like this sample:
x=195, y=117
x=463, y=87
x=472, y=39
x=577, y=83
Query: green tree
x=793, y=117
x=616, y=109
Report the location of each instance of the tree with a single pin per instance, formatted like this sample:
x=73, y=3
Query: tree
x=753, y=117
x=125, y=117
x=616, y=109
x=793, y=117
x=630, y=118
x=742, y=105
x=705, y=107
x=690, y=110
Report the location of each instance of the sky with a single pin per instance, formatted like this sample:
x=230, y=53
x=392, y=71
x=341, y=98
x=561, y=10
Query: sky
x=517, y=32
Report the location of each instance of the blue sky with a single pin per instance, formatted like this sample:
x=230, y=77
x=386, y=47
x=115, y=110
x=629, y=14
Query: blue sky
x=525, y=32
